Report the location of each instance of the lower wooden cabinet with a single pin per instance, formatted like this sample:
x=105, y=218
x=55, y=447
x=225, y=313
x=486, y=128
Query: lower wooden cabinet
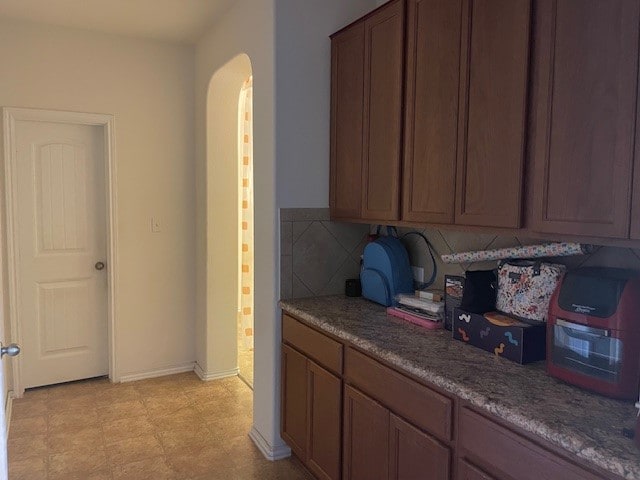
x=347, y=415
x=325, y=404
x=366, y=437
x=381, y=445
x=414, y=454
x=468, y=471
x=294, y=400
x=416, y=403
x=311, y=413
x=506, y=455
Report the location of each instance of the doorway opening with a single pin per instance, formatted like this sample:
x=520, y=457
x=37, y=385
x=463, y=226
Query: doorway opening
x=227, y=331
x=245, y=232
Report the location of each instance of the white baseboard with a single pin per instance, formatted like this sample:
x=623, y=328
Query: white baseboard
x=132, y=377
x=204, y=376
x=8, y=408
x=269, y=451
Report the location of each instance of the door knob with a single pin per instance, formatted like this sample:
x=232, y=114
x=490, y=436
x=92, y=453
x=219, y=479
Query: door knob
x=99, y=265
x=11, y=350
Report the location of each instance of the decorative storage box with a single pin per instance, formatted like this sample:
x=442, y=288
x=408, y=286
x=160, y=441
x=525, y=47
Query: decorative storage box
x=453, y=291
x=506, y=337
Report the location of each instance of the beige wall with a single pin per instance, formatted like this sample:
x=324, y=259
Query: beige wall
x=291, y=117
x=222, y=177
x=148, y=87
x=248, y=28
x=303, y=59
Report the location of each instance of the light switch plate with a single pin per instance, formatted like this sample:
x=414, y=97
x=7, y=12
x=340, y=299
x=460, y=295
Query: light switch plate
x=156, y=226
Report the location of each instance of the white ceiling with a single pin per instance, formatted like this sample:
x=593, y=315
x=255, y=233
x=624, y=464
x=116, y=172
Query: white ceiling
x=180, y=21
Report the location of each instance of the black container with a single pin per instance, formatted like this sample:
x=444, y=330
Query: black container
x=453, y=291
x=520, y=342
x=352, y=287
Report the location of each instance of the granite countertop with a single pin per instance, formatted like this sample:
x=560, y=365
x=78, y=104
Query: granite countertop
x=584, y=424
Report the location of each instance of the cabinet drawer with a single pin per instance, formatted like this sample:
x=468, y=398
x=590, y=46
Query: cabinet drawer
x=418, y=404
x=508, y=453
x=315, y=345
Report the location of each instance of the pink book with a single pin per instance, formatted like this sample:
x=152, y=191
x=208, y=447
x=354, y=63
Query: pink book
x=421, y=322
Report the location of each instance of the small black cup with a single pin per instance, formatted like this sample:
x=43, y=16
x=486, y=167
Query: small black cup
x=353, y=288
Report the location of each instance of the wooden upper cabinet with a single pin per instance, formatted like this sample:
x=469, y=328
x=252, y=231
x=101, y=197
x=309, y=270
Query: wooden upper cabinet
x=383, y=87
x=366, y=116
x=492, y=120
x=585, y=88
x=431, y=110
x=347, y=95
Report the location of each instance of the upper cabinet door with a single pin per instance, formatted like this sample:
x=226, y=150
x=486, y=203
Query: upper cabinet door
x=347, y=94
x=384, y=63
x=585, y=87
x=492, y=124
x=431, y=110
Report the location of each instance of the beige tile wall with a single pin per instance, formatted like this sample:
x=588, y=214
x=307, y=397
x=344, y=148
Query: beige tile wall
x=445, y=241
x=318, y=255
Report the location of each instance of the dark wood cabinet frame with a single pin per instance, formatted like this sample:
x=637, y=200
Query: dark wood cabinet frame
x=393, y=423
x=507, y=126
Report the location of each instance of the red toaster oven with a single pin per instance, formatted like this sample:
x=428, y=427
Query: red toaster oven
x=593, y=331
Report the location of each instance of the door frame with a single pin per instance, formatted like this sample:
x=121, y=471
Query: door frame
x=107, y=122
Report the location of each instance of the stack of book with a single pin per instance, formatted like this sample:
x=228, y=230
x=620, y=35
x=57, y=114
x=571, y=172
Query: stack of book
x=426, y=308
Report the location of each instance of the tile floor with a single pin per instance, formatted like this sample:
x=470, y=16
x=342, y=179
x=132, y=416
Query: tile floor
x=245, y=365
x=174, y=427
x=245, y=357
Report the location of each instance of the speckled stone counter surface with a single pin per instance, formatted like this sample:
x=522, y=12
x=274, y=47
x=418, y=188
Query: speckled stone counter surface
x=582, y=423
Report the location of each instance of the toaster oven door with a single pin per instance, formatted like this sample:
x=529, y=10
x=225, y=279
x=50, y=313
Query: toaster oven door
x=587, y=350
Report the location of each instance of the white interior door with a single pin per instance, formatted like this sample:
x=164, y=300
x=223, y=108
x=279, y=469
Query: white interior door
x=60, y=222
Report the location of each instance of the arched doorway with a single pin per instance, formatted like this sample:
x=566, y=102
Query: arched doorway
x=223, y=292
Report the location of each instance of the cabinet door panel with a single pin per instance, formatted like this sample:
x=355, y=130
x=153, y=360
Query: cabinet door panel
x=468, y=471
x=431, y=110
x=635, y=209
x=312, y=343
x=493, y=89
x=347, y=94
x=294, y=400
x=414, y=454
x=586, y=72
x=366, y=438
x=422, y=406
x=325, y=420
x=384, y=63
x=508, y=454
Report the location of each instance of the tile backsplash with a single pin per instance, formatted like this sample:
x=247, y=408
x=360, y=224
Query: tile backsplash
x=317, y=255
x=448, y=241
